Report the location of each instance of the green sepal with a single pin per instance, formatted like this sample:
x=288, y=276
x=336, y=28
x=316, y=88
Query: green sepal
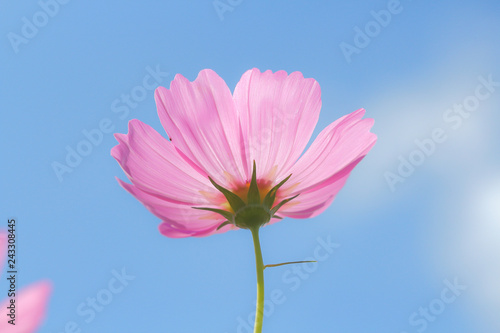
x=251, y=214
x=226, y=214
x=278, y=206
x=253, y=195
x=271, y=195
x=223, y=224
x=235, y=201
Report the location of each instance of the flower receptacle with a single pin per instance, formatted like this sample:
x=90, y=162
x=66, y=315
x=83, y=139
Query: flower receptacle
x=252, y=213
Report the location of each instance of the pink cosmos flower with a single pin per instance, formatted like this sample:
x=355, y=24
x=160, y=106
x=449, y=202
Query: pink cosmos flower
x=31, y=302
x=218, y=140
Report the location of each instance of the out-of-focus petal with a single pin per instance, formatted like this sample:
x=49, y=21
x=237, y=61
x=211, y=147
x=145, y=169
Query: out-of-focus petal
x=31, y=306
x=278, y=113
x=201, y=120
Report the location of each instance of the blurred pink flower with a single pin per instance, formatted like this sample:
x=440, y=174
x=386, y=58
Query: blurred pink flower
x=31, y=302
x=268, y=119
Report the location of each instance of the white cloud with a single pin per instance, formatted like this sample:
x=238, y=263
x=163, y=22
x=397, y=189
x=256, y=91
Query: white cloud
x=470, y=244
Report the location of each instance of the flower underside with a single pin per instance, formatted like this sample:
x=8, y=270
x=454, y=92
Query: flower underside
x=252, y=211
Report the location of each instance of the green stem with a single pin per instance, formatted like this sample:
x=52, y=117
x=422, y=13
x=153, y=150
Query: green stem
x=259, y=311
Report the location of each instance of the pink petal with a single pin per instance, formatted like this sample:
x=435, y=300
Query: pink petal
x=323, y=169
x=167, y=183
x=314, y=201
x=179, y=220
x=200, y=118
x=171, y=231
x=155, y=166
x=31, y=306
x=278, y=114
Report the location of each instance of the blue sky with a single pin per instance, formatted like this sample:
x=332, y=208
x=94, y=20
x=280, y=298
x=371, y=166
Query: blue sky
x=399, y=244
